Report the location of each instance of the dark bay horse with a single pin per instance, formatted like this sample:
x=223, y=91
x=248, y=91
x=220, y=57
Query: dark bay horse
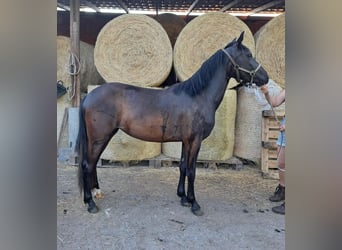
x=182, y=112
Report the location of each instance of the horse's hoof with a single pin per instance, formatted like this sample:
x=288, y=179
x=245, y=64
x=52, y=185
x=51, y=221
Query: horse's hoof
x=92, y=208
x=196, y=209
x=185, y=202
x=197, y=212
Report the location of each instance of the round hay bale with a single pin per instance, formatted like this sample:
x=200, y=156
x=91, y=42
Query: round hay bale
x=270, y=48
x=203, y=36
x=173, y=24
x=133, y=49
x=88, y=72
x=250, y=104
x=219, y=144
x=123, y=147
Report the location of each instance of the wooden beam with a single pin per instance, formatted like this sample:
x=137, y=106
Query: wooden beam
x=266, y=6
x=157, y=7
x=92, y=6
x=75, y=51
x=67, y=8
x=192, y=6
x=123, y=6
x=228, y=6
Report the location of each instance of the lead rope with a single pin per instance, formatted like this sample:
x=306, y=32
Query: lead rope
x=73, y=68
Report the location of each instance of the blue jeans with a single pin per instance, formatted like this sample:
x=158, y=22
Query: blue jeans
x=281, y=136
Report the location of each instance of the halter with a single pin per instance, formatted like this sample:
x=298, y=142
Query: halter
x=238, y=68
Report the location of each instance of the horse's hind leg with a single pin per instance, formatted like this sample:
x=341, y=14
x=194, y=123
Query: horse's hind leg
x=99, y=131
x=95, y=148
x=96, y=191
x=88, y=177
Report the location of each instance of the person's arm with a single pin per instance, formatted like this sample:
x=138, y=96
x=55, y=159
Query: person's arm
x=275, y=101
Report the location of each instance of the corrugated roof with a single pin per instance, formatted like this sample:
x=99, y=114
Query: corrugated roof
x=186, y=6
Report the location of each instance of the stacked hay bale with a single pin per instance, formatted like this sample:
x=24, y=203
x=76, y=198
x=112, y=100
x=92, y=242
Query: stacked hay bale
x=133, y=49
x=88, y=73
x=172, y=24
x=270, y=52
x=198, y=40
x=270, y=48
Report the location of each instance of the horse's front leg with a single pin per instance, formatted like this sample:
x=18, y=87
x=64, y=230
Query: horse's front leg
x=191, y=173
x=181, y=183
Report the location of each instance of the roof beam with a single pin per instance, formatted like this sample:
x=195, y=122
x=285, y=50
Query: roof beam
x=192, y=6
x=266, y=6
x=67, y=8
x=157, y=7
x=228, y=6
x=123, y=6
x=92, y=6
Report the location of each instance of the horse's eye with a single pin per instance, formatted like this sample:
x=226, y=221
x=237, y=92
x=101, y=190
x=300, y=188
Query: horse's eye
x=249, y=55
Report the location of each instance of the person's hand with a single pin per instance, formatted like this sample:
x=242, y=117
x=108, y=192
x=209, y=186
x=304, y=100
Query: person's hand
x=282, y=128
x=264, y=89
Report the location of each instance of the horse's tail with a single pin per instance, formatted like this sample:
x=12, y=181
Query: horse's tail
x=81, y=146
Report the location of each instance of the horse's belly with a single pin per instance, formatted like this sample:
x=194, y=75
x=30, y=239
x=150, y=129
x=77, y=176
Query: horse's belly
x=154, y=132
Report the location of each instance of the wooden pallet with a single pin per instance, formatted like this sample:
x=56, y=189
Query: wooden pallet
x=270, y=130
x=166, y=161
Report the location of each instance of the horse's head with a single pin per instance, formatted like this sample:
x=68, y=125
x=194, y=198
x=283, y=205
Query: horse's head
x=246, y=68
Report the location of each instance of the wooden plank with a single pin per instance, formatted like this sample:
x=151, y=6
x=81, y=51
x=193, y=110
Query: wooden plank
x=272, y=155
x=269, y=144
x=272, y=123
x=272, y=174
x=73, y=133
x=64, y=122
x=272, y=134
x=269, y=113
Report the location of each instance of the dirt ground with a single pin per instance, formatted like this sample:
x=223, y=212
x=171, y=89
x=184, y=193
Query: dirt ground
x=141, y=210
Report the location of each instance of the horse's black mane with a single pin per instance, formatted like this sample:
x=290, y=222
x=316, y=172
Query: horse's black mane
x=200, y=80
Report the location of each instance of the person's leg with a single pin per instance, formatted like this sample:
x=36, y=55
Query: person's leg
x=279, y=194
x=281, y=164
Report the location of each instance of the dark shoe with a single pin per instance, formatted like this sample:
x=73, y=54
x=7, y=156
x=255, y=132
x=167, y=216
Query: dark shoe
x=279, y=209
x=279, y=194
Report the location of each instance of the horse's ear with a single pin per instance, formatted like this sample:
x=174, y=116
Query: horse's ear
x=240, y=38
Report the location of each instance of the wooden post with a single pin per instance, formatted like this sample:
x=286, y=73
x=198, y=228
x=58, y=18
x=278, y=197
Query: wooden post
x=75, y=79
x=75, y=48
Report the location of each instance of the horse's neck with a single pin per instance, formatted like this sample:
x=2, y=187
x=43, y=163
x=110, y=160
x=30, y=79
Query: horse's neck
x=217, y=86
